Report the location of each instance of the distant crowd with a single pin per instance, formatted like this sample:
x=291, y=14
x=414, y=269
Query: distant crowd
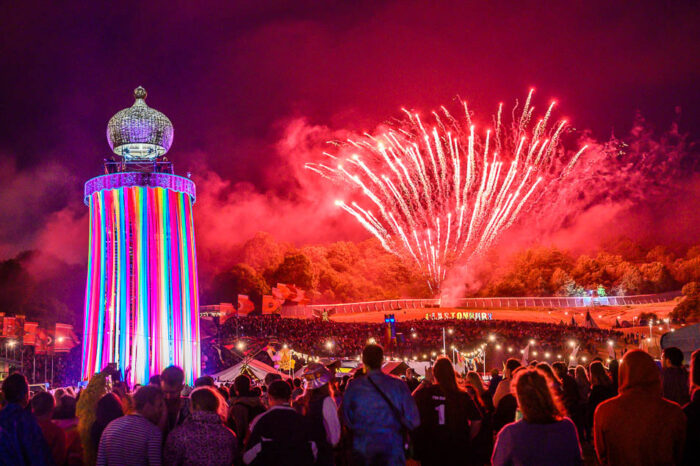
x=422, y=337
x=637, y=411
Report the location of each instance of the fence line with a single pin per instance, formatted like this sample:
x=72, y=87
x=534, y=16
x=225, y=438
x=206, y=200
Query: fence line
x=476, y=303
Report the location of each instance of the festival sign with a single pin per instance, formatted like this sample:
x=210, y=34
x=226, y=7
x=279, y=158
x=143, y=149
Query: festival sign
x=458, y=316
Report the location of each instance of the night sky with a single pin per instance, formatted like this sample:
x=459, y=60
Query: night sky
x=236, y=81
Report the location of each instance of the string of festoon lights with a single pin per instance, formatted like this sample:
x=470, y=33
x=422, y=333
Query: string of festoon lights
x=478, y=351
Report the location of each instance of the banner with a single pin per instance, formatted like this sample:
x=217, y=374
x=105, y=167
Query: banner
x=9, y=327
x=64, y=338
x=290, y=293
x=281, y=291
x=245, y=305
x=44, y=341
x=226, y=311
x=271, y=305
x=19, y=327
x=30, y=333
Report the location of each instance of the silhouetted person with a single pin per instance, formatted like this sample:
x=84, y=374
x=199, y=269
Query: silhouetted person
x=43, y=404
x=691, y=455
x=21, y=439
x=638, y=426
x=674, y=376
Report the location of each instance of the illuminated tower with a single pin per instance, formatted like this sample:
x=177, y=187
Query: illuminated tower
x=141, y=298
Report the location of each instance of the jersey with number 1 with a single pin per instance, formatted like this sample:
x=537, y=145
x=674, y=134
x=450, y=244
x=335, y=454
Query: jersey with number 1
x=444, y=423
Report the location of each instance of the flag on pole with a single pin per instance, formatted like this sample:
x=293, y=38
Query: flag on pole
x=245, y=305
x=271, y=304
x=226, y=311
x=526, y=355
x=65, y=338
x=30, y=333
x=573, y=359
x=9, y=327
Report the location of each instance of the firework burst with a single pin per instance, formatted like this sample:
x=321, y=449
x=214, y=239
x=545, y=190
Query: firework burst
x=441, y=191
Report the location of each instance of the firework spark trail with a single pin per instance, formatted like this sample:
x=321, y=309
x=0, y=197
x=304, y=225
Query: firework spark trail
x=446, y=191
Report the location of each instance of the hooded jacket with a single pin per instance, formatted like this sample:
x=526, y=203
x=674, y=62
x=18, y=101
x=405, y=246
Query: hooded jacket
x=242, y=411
x=639, y=426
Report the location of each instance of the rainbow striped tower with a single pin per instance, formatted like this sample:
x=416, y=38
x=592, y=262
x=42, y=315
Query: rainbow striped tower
x=141, y=298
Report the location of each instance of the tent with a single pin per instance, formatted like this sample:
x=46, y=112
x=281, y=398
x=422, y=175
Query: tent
x=397, y=368
x=589, y=322
x=419, y=366
x=252, y=367
x=686, y=338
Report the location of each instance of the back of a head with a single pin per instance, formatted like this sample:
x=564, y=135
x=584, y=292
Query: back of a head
x=547, y=369
x=172, y=376
x=154, y=380
x=204, y=381
x=109, y=407
x=639, y=371
x=475, y=381
x=204, y=399
x=560, y=369
x=269, y=378
x=674, y=356
x=373, y=356
x=445, y=375
x=15, y=388
x=510, y=366
x=581, y=376
x=598, y=374
x=66, y=408
x=279, y=391
x=146, y=395
x=43, y=404
x=695, y=369
x=536, y=399
x=241, y=385
x=297, y=382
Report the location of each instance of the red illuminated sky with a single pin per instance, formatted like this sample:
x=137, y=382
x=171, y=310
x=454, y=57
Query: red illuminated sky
x=235, y=79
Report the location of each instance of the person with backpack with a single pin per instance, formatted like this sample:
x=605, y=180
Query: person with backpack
x=245, y=405
x=449, y=418
x=378, y=410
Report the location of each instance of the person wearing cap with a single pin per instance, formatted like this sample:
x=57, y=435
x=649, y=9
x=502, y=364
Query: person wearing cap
x=319, y=408
x=638, y=426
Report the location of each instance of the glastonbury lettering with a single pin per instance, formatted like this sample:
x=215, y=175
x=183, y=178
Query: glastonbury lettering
x=459, y=315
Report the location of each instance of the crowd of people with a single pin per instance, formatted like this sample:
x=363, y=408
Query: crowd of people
x=419, y=338
x=634, y=412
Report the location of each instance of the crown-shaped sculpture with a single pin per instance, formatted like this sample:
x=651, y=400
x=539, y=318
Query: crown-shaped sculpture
x=140, y=132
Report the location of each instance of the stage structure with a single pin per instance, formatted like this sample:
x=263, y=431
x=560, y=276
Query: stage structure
x=141, y=298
